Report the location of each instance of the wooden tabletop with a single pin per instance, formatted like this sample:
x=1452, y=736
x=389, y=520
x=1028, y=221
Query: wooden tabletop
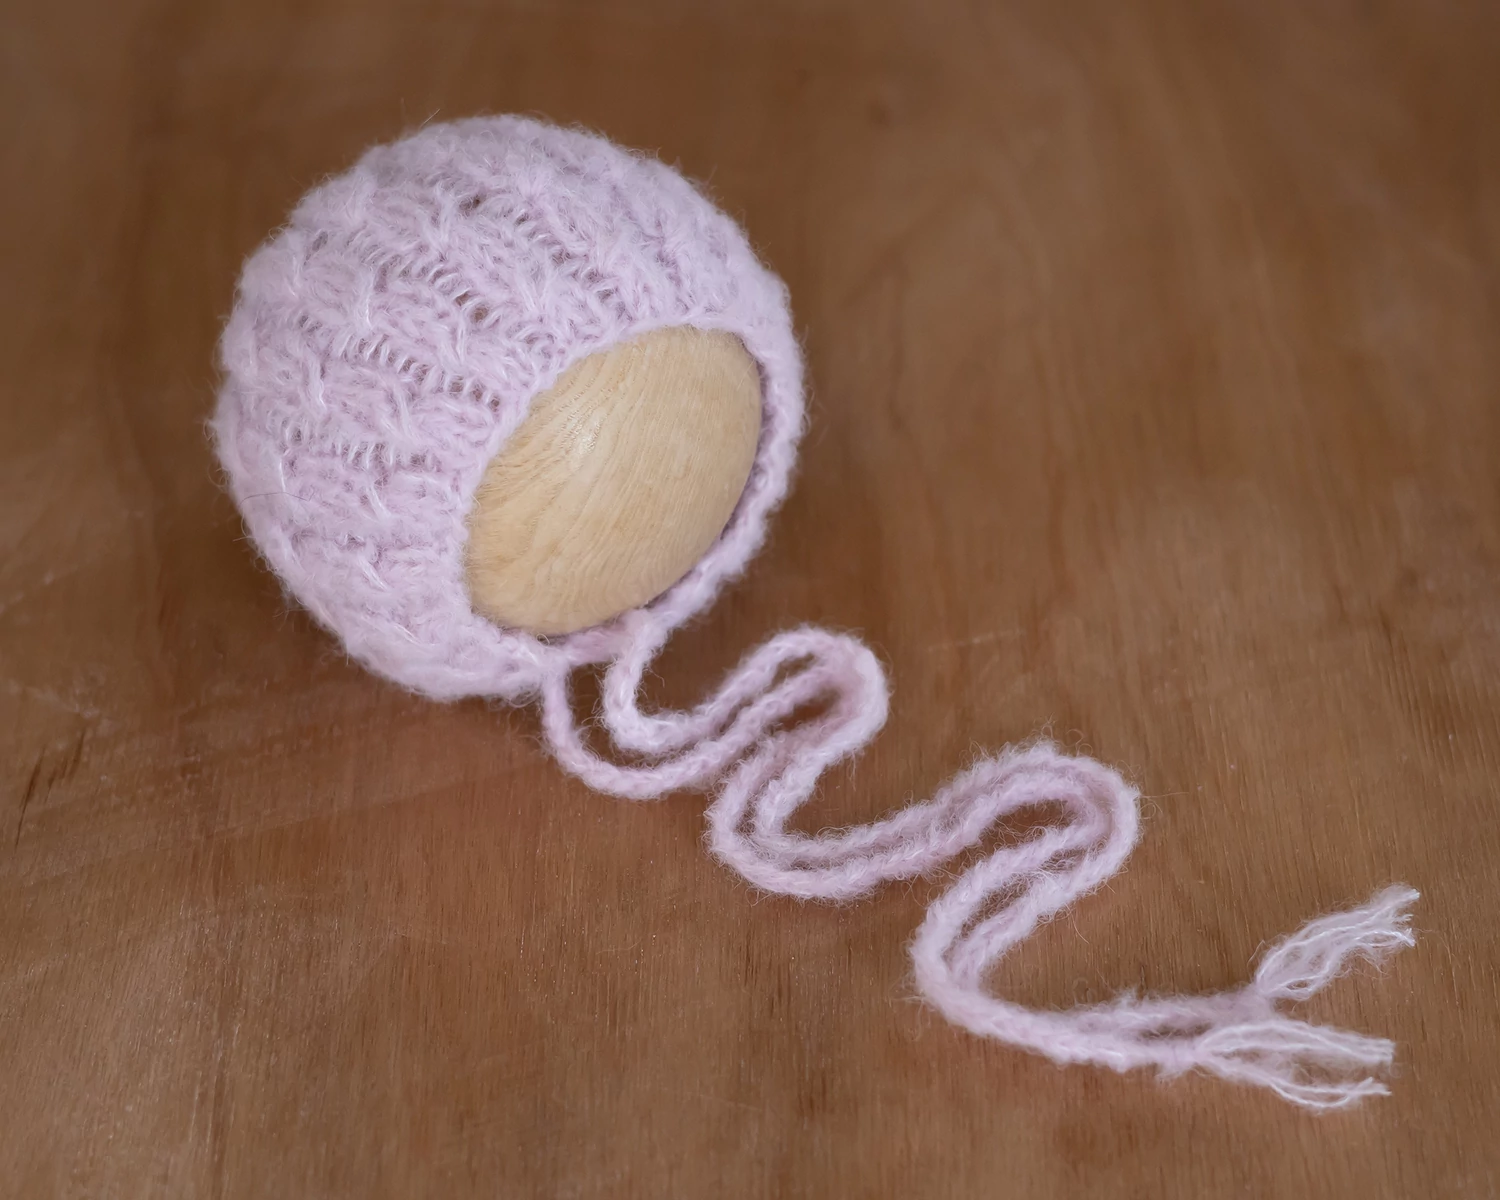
x=1155, y=366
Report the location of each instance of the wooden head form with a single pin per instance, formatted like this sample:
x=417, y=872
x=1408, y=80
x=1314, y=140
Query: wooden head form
x=616, y=483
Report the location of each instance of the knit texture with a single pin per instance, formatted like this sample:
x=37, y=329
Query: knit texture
x=388, y=340
x=384, y=345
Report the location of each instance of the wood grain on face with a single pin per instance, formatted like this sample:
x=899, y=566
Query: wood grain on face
x=616, y=483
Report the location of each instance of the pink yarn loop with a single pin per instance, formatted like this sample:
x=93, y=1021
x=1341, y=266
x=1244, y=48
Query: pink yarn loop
x=742, y=741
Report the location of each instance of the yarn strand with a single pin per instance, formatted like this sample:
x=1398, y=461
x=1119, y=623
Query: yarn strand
x=386, y=345
x=741, y=740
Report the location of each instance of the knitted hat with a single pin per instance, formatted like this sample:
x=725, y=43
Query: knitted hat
x=389, y=339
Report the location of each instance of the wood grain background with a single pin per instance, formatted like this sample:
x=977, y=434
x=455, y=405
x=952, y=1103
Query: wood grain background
x=1156, y=390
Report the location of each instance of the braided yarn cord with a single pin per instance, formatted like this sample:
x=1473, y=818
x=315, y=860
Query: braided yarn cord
x=383, y=347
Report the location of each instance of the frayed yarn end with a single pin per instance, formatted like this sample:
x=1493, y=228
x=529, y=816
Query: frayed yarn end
x=1314, y=1066
x=1322, y=950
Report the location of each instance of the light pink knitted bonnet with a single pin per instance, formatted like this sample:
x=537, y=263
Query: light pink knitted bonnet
x=384, y=345
x=390, y=338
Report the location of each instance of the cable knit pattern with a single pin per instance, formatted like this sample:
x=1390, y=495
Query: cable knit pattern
x=384, y=345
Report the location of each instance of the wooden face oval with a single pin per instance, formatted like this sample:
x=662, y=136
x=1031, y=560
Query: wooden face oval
x=618, y=481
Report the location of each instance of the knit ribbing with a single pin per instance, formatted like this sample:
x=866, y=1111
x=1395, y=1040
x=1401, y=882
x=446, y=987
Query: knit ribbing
x=383, y=347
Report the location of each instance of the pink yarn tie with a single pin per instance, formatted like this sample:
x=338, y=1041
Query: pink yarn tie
x=390, y=338
x=766, y=769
